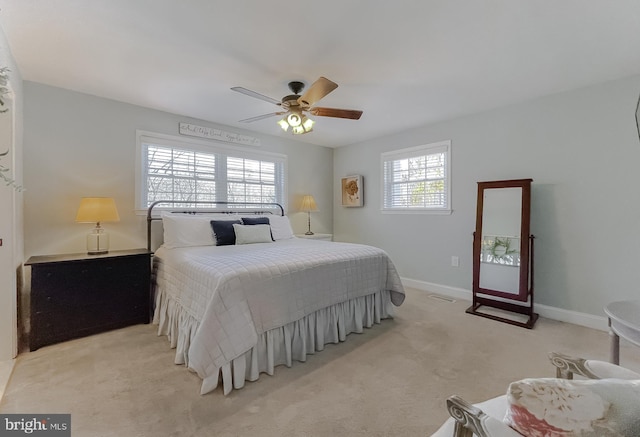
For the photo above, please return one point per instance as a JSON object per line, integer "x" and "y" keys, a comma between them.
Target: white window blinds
{"x": 417, "y": 179}
{"x": 177, "y": 170}
{"x": 250, "y": 180}
{"x": 179, "y": 174}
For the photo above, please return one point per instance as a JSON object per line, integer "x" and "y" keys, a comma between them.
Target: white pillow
{"x": 249, "y": 234}
{"x": 280, "y": 227}
{"x": 184, "y": 230}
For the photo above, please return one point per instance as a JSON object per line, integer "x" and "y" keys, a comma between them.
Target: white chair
{"x": 486, "y": 419}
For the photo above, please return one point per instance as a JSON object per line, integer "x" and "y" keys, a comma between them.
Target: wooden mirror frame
{"x": 483, "y": 296}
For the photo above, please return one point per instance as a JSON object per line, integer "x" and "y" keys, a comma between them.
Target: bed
{"x": 235, "y": 310}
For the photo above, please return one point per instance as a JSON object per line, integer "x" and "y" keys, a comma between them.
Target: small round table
{"x": 624, "y": 321}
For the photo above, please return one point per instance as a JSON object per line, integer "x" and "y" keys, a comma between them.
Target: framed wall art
{"x": 352, "y": 191}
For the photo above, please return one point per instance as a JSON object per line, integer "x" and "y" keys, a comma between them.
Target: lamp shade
{"x": 97, "y": 209}
{"x": 308, "y": 204}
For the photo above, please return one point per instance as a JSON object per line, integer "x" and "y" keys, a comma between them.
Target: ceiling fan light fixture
{"x": 294, "y": 119}
{"x": 307, "y": 124}
{"x": 299, "y": 123}
{"x": 283, "y": 124}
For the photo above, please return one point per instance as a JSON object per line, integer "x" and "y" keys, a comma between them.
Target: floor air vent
{"x": 442, "y": 298}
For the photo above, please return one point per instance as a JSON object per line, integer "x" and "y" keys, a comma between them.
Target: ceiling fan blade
{"x": 260, "y": 117}
{"x": 255, "y": 94}
{"x": 316, "y": 91}
{"x": 338, "y": 113}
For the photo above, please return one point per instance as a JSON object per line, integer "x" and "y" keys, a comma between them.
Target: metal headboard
{"x": 194, "y": 210}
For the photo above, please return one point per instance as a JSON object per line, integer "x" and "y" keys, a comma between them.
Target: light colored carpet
{"x": 6, "y": 367}
{"x": 392, "y": 380}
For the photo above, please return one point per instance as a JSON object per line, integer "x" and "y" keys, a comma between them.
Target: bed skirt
{"x": 282, "y": 345}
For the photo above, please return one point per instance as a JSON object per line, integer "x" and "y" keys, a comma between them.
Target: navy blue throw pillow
{"x": 257, "y": 221}
{"x": 223, "y": 231}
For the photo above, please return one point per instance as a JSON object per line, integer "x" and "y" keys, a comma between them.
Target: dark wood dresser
{"x": 77, "y": 295}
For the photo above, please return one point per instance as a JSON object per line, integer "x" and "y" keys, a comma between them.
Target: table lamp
{"x": 308, "y": 205}
{"x": 96, "y": 210}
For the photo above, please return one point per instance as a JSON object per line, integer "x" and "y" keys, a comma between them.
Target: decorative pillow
{"x": 550, "y": 407}
{"x": 255, "y": 221}
{"x": 223, "y": 231}
{"x": 280, "y": 227}
{"x": 249, "y": 234}
{"x": 258, "y": 221}
{"x": 184, "y": 230}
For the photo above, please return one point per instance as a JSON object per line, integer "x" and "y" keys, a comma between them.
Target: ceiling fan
{"x": 295, "y": 106}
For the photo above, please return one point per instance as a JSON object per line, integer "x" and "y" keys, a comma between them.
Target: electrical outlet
{"x": 455, "y": 261}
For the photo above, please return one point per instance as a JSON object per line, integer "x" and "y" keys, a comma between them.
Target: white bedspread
{"x": 236, "y": 293}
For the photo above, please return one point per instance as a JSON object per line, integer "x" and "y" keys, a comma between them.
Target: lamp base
{"x": 97, "y": 242}
{"x": 308, "y": 224}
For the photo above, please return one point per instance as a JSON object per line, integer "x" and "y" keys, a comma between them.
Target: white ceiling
{"x": 404, "y": 63}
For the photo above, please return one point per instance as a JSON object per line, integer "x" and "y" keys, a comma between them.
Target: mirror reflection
{"x": 500, "y": 242}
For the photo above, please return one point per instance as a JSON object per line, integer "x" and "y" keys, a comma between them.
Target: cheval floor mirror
{"x": 503, "y": 253}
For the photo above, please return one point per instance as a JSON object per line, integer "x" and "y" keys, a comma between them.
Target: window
{"x": 417, "y": 179}
{"x": 173, "y": 168}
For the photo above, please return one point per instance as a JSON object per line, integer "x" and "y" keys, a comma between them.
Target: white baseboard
{"x": 549, "y": 312}
{"x": 445, "y": 290}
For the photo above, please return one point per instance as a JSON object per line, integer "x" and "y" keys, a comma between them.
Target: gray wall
{"x": 79, "y": 145}
{"x": 581, "y": 149}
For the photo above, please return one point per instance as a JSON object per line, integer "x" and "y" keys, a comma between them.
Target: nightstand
{"x": 325, "y": 237}
{"x": 77, "y": 295}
